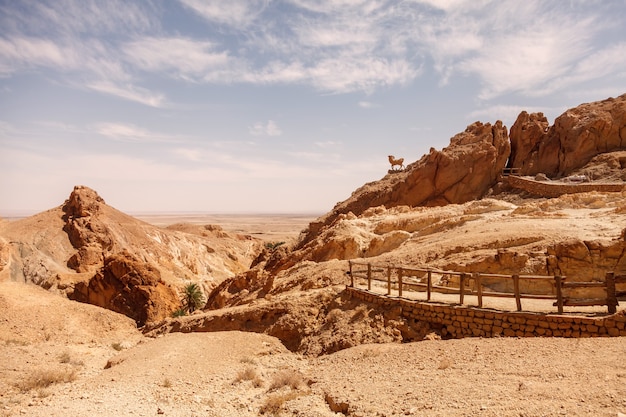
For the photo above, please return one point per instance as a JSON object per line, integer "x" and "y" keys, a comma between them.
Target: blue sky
{"x": 276, "y": 106}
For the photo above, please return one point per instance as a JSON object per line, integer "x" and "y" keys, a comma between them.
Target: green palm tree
{"x": 192, "y": 298}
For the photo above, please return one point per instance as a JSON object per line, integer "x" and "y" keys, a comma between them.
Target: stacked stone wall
{"x": 456, "y": 321}
{"x": 556, "y": 189}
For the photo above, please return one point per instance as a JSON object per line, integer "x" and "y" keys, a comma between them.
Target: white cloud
{"x": 367, "y": 105}
{"x": 82, "y": 17}
{"x": 184, "y": 57}
{"x": 265, "y": 129}
{"x": 328, "y": 144}
{"x": 129, "y": 92}
{"x": 22, "y": 53}
{"x": 130, "y": 133}
{"x": 231, "y": 12}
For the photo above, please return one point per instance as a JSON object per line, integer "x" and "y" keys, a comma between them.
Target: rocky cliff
{"x": 577, "y": 136}
{"x": 470, "y": 167}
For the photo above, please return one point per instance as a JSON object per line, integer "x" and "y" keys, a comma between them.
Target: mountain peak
{"x": 83, "y": 202}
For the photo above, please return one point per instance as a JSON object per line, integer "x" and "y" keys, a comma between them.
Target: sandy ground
{"x": 61, "y": 358}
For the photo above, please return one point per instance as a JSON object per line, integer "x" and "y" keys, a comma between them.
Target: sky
{"x": 274, "y": 106}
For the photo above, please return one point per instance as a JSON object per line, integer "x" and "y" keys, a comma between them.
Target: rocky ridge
{"x": 94, "y": 253}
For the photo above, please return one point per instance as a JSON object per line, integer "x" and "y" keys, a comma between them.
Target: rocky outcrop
{"x": 576, "y": 137}
{"x": 78, "y": 247}
{"x": 130, "y": 287}
{"x": 87, "y": 233}
{"x": 586, "y": 260}
{"x": 463, "y": 171}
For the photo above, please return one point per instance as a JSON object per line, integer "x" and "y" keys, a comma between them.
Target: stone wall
{"x": 456, "y": 321}
{"x": 555, "y": 189}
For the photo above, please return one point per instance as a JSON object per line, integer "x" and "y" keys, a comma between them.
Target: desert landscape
{"x": 94, "y": 319}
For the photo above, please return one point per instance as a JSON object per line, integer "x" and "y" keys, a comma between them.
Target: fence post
{"x": 479, "y": 288}
{"x": 559, "y": 293}
{"x": 388, "y": 280}
{"x": 518, "y": 296}
{"x": 399, "y": 282}
{"x": 461, "y": 287}
{"x": 369, "y": 276}
{"x": 430, "y": 285}
{"x": 350, "y": 272}
{"x": 611, "y": 298}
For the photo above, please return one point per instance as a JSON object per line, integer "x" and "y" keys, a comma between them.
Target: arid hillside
{"x": 90, "y": 251}
{"x": 281, "y": 335}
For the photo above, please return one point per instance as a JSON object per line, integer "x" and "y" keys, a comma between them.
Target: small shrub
{"x": 274, "y": 404}
{"x": 272, "y": 246}
{"x": 249, "y": 374}
{"x": 179, "y": 313}
{"x": 65, "y": 358}
{"x": 44, "y": 379}
{"x": 286, "y": 378}
{"x": 16, "y": 342}
{"x": 166, "y": 383}
{"x": 248, "y": 360}
{"x": 117, "y": 346}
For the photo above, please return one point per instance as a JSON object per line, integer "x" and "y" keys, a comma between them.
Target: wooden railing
{"x": 472, "y": 284}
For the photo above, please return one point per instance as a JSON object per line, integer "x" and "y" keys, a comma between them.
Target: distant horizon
{"x": 21, "y": 214}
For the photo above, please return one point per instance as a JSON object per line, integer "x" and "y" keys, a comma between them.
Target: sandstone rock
{"x": 586, "y": 260}
{"x": 83, "y": 202}
{"x": 130, "y": 287}
{"x": 576, "y": 137}
{"x": 527, "y": 131}
{"x": 463, "y": 171}
{"x": 83, "y": 225}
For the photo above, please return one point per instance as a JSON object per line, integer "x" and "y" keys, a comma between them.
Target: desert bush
{"x": 117, "y": 346}
{"x": 249, "y": 374}
{"x": 16, "y": 342}
{"x": 272, "y": 246}
{"x": 274, "y": 404}
{"x": 286, "y": 378}
{"x": 65, "y": 357}
{"x": 166, "y": 383}
{"x": 44, "y": 379}
{"x": 179, "y": 313}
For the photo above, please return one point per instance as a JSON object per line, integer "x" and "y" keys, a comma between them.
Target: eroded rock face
{"x": 86, "y": 232}
{"x": 587, "y": 260}
{"x": 463, "y": 171}
{"x": 576, "y": 137}
{"x": 130, "y": 287}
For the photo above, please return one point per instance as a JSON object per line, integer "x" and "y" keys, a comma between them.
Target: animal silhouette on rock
{"x": 396, "y": 162}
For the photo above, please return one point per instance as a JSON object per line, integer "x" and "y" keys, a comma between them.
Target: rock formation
{"x": 130, "y": 287}
{"x": 463, "y": 171}
{"x": 576, "y": 137}
{"x": 97, "y": 254}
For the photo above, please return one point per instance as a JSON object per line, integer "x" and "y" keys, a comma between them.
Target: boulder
{"x": 131, "y": 287}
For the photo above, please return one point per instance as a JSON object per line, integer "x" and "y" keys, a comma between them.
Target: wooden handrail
{"x": 404, "y": 273}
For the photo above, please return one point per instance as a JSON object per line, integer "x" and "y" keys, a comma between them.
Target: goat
{"x": 396, "y": 162}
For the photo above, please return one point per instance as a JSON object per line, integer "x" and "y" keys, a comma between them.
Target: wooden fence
{"x": 472, "y": 284}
